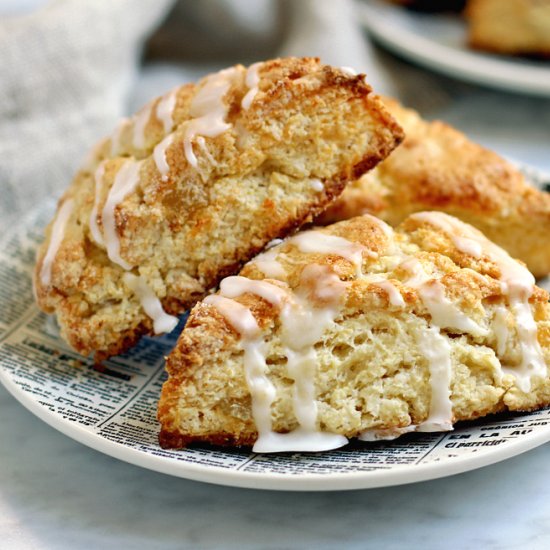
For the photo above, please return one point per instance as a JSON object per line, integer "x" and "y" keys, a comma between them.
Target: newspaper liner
{"x": 117, "y": 403}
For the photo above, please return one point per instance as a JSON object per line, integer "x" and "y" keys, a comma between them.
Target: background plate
{"x": 113, "y": 410}
{"x": 438, "y": 41}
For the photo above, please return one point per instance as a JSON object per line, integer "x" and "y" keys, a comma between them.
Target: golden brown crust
{"x": 438, "y": 167}
{"x": 371, "y": 369}
{"x": 183, "y": 233}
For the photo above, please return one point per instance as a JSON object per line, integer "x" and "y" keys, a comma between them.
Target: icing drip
{"x": 267, "y": 263}
{"x": 317, "y": 242}
{"x": 159, "y": 155}
{"x": 302, "y": 325}
{"x": 317, "y": 185}
{"x": 125, "y": 182}
{"x": 208, "y": 111}
{"x": 232, "y": 287}
{"x": 140, "y": 122}
{"x": 350, "y": 71}
{"x": 382, "y": 225}
{"x": 237, "y": 315}
{"x": 437, "y": 351}
{"x": 165, "y": 110}
{"x": 466, "y": 239}
{"x": 201, "y": 142}
{"x": 162, "y": 322}
{"x": 516, "y": 282}
{"x": 394, "y": 296}
{"x": 56, "y": 237}
{"x": 261, "y": 389}
{"x": 252, "y": 80}
{"x": 532, "y": 359}
{"x": 94, "y": 227}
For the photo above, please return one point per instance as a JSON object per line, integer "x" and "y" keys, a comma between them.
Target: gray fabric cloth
{"x": 66, "y": 71}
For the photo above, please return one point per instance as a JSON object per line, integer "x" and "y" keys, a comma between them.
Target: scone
{"x": 195, "y": 185}
{"x": 518, "y": 27}
{"x": 359, "y": 331}
{"x": 439, "y": 168}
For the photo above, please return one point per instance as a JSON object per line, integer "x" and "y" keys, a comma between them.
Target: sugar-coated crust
{"x": 252, "y": 184}
{"x": 517, "y": 27}
{"x": 439, "y": 168}
{"x": 371, "y": 372}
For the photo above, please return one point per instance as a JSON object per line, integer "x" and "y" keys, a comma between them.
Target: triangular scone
{"x": 439, "y": 168}
{"x": 195, "y": 185}
{"x": 357, "y": 330}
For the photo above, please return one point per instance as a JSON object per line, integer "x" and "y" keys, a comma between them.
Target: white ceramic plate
{"x": 438, "y": 41}
{"x": 113, "y": 411}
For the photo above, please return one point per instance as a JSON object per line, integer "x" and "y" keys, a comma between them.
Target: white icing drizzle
{"x": 94, "y": 227}
{"x": 125, "y": 182}
{"x": 232, "y": 287}
{"x": 394, "y": 296}
{"x": 116, "y": 136}
{"x": 382, "y": 225}
{"x": 252, "y": 80}
{"x": 56, "y": 238}
{"x": 267, "y": 263}
{"x": 437, "y": 351}
{"x": 237, "y": 315}
{"x": 350, "y": 71}
{"x": 532, "y": 358}
{"x": 201, "y": 142}
{"x": 159, "y": 156}
{"x": 432, "y": 293}
{"x": 393, "y": 293}
{"x": 165, "y": 110}
{"x": 516, "y": 282}
{"x": 465, "y": 238}
{"x": 302, "y": 325}
{"x": 317, "y": 242}
{"x": 261, "y": 388}
{"x": 162, "y": 322}
{"x": 208, "y": 110}
{"x": 316, "y": 185}
{"x": 140, "y": 122}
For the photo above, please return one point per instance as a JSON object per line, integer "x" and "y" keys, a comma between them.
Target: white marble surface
{"x": 57, "y": 494}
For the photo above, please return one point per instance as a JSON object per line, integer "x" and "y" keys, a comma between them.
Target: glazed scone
{"x": 518, "y": 27}
{"x": 359, "y": 331}
{"x": 439, "y": 168}
{"x": 195, "y": 185}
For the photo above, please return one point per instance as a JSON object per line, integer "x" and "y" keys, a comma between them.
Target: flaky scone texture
{"x": 412, "y": 292}
{"x": 197, "y": 183}
{"x": 518, "y": 27}
{"x": 439, "y": 168}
